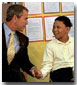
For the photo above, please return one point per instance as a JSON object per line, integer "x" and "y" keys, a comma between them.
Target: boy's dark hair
{"x": 65, "y": 20}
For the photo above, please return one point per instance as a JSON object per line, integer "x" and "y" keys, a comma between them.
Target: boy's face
{"x": 60, "y": 30}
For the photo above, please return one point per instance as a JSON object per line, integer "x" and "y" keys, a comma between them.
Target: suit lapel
{"x": 21, "y": 40}
{"x": 4, "y": 49}
{"x": 3, "y": 40}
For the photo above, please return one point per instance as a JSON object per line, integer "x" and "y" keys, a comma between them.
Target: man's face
{"x": 60, "y": 30}
{"x": 22, "y": 21}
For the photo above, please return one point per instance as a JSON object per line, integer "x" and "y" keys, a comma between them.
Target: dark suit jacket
{"x": 11, "y": 73}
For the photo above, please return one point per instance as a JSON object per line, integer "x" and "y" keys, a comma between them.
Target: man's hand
{"x": 36, "y": 72}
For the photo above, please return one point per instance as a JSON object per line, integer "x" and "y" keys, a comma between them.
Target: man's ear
{"x": 14, "y": 18}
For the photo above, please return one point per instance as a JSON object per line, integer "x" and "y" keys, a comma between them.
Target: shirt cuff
{"x": 33, "y": 67}
{"x": 44, "y": 74}
{"x": 73, "y": 69}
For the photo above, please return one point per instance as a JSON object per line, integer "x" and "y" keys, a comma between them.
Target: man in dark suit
{"x": 16, "y": 20}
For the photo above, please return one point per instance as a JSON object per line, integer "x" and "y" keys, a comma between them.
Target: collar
{"x": 59, "y": 42}
{"x": 7, "y": 30}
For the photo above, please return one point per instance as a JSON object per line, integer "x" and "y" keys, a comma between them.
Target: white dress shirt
{"x": 58, "y": 55}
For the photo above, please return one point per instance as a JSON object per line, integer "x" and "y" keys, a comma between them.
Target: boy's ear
{"x": 68, "y": 29}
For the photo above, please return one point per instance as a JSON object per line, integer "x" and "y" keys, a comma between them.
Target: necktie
{"x": 11, "y": 48}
